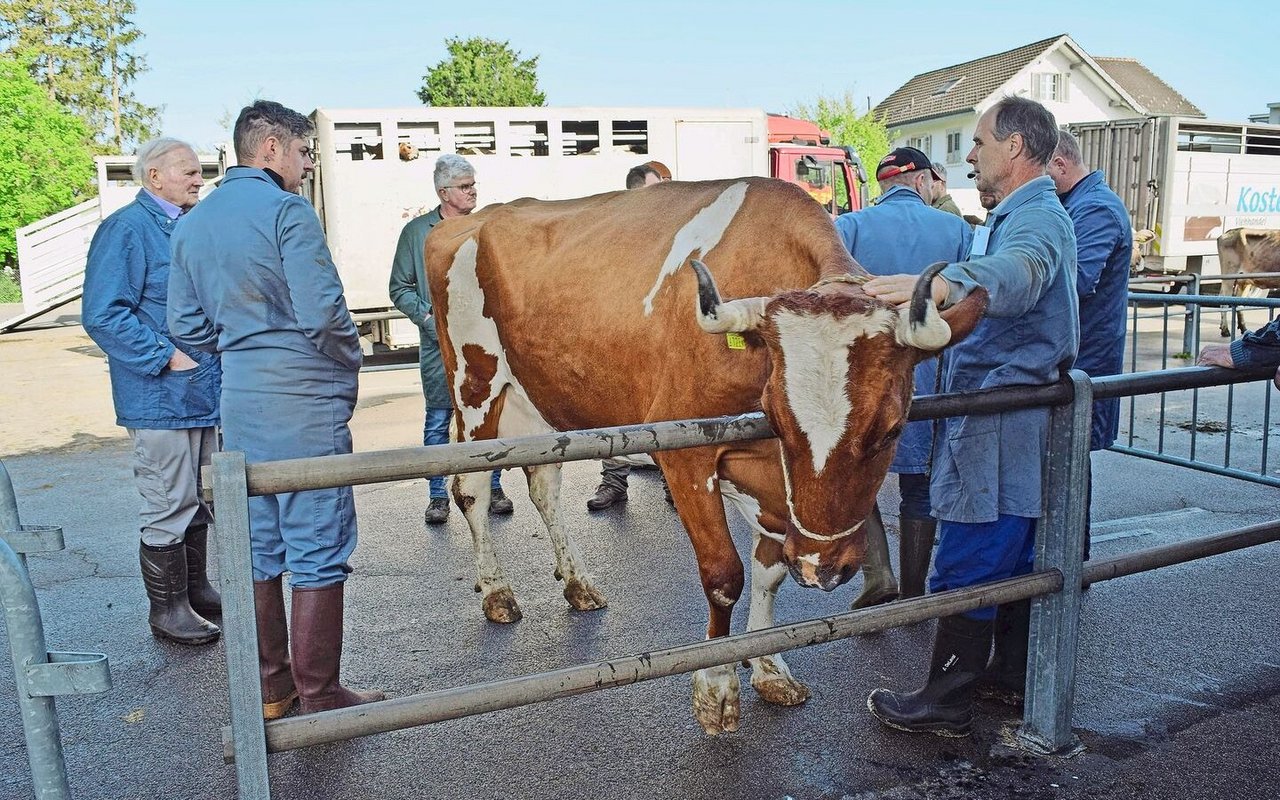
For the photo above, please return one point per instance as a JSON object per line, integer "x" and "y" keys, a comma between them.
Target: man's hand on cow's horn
{"x": 1215, "y": 355}
{"x": 897, "y": 289}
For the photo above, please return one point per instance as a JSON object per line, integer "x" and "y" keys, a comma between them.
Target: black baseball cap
{"x": 904, "y": 159}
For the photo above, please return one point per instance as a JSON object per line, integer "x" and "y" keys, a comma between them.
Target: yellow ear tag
{"x": 735, "y": 341}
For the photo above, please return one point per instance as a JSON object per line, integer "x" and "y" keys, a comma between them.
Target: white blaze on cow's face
{"x": 815, "y": 352}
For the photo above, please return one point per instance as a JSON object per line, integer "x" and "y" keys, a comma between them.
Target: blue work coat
{"x": 901, "y": 235}
{"x": 253, "y": 279}
{"x": 408, "y": 290}
{"x": 989, "y": 465}
{"x": 126, "y": 288}
{"x": 1104, "y": 246}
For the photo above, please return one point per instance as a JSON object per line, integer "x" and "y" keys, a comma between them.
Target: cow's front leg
{"x": 471, "y": 492}
{"x": 770, "y": 675}
{"x": 716, "y": 703}
{"x": 579, "y": 589}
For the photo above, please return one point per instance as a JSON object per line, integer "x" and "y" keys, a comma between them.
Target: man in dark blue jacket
{"x": 875, "y": 237}
{"x": 165, "y": 397}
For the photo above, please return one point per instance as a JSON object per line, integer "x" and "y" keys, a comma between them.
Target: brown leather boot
{"x": 164, "y": 574}
{"x": 274, "y": 671}
{"x": 317, "y": 651}
{"x": 205, "y": 599}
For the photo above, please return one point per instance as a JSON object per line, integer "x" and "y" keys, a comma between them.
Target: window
{"x": 948, "y": 86}
{"x": 474, "y": 138}
{"x": 922, "y": 143}
{"x": 814, "y": 176}
{"x": 954, "y": 147}
{"x": 631, "y": 136}
{"x": 579, "y": 138}
{"x": 1050, "y": 86}
{"x": 529, "y": 138}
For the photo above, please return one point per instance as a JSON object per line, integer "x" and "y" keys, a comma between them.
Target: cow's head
{"x": 837, "y": 396}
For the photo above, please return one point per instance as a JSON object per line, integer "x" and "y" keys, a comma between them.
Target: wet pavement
{"x": 1178, "y": 688}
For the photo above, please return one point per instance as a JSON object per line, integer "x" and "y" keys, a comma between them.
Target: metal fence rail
{"x": 1055, "y": 584}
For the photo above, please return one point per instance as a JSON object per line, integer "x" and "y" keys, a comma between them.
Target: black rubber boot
{"x": 945, "y": 705}
{"x": 878, "y": 584}
{"x": 915, "y": 549}
{"x": 164, "y": 574}
{"x": 205, "y": 599}
{"x": 1005, "y": 679}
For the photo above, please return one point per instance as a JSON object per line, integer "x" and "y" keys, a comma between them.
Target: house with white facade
{"x": 938, "y": 111}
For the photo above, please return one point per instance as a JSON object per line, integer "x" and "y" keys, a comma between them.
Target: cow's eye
{"x": 890, "y": 437}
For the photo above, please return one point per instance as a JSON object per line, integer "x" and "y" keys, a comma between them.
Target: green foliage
{"x": 10, "y": 291}
{"x": 482, "y": 72}
{"x": 46, "y": 160}
{"x": 866, "y": 134}
{"x": 82, "y": 53}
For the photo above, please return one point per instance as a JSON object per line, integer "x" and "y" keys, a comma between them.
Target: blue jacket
{"x": 126, "y": 286}
{"x": 1261, "y": 348}
{"x": 989, "y": 465}
{"x": 1104, "y": 246}
{"x": 408, "y": 290}
{"x": 901, "y": 235}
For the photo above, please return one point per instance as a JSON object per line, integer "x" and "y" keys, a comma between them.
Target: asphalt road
{"x": 1178, "y": 690}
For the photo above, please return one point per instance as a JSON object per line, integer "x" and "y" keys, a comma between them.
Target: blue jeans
{"x": 436, "y": 431}
{"x": 973, "y": 553}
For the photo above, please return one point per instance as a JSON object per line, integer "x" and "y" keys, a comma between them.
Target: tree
{"x": 46, "y": 161}
{"x": 866, "y": 134}
{"x": 482, "y": 72}
{"x": 82, "y": 53}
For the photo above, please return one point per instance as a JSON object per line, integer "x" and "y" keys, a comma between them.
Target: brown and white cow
{"x": 580, "y": 313}
{"x": 1247, "y": 250}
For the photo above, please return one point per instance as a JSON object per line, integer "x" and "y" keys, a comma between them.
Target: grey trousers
{"x": 614, "y": 472}
{"x": 166, "y": 468}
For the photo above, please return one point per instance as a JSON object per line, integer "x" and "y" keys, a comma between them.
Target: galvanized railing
{"x": 1055, "y": 584}
{"x": 1195, "y": 429}
{"x": 40, "y": 675}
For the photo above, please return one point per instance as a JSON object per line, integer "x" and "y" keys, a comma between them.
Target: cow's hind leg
{"x": 471, "y": 492}
{"x": 579, "y": 589}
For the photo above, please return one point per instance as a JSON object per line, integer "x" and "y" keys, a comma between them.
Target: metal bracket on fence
{"x": 39, "y": 675}
{"x": 1051, "y": 668}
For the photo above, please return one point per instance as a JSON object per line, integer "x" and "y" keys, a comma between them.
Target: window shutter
{"x": 1036, "y": 83}
{"x": 1066, "y": 86}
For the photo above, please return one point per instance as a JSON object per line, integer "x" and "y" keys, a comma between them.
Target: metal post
{"x": 1051, "y": 663}
{"x": 1191, "y": 323}
{"x": 239, "y": 624}
{"x": 39, "y": 675}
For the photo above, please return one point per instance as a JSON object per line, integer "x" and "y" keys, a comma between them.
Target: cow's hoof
{"x": 583, "y": 596}
{"x": 875, "y": 596}
{"x": 501, "y": 606}
{"x": 715, "y": 699}
{"x": 773, "y": 681}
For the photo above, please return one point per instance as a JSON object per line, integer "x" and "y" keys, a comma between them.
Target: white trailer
{"x": 374, "y": 171}
{"x": 1188, "y": 180}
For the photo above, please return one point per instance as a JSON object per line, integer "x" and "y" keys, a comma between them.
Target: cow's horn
{"x": 924, "y": 327}
{"x": 716, "y": 316}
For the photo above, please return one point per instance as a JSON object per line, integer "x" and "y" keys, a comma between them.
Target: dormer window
{"x": 948, "y": 86}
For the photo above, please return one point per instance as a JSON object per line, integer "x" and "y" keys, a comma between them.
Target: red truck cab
{"x": 801, "y": 153}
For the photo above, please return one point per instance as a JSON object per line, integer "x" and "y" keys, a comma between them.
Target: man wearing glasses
{"x": 455, "y": 181}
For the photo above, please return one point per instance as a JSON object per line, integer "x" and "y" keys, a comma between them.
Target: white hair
{"x": 449, "y": 168}
{"x": 150, "y": 153}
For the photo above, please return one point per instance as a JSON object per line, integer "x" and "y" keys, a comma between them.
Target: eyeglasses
{"x": 464, "y": 187}
{"x": 307, "y": 153}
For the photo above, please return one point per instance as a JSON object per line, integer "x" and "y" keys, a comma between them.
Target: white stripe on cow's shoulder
{"x": 816, "y": 372}
{"x": 701, "y": 233}
{"x": 748, "y": 507}
{"x": 468, "y": 324}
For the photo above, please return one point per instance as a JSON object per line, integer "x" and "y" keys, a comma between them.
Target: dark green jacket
{"x": 408, "y": 289}
{"x": 945, "y": 203}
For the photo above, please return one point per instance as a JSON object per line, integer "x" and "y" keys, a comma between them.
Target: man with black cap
{"x": 875, "y": 238}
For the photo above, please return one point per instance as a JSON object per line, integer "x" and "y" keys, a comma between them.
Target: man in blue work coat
{"x": 455, "y": 183}
{"x": 253, "y": 280}
{"x": 901, "y": 234}
{"x": 165, "y": 397}
{"x": 988, "y": 473}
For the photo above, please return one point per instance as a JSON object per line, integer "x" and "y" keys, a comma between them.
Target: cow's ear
{"x": 964, "y": 316}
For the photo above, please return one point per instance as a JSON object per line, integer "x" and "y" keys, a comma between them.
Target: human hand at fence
{"x": 1215, "y": 355}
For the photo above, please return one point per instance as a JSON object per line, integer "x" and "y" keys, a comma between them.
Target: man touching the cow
{"x": 987, "y": 481}
{"x": 455, "y": 185}
{"x": 1104, "y": 247}
{"x": 253, "y": 280}
{"x": 874, "y": 239}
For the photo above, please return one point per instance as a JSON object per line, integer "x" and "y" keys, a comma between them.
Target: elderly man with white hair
{"x": 455, "y": 184}
{"x": 165, "y": 396}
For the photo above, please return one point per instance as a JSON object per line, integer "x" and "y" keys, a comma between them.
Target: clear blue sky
{"x": 208, "y": 59}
